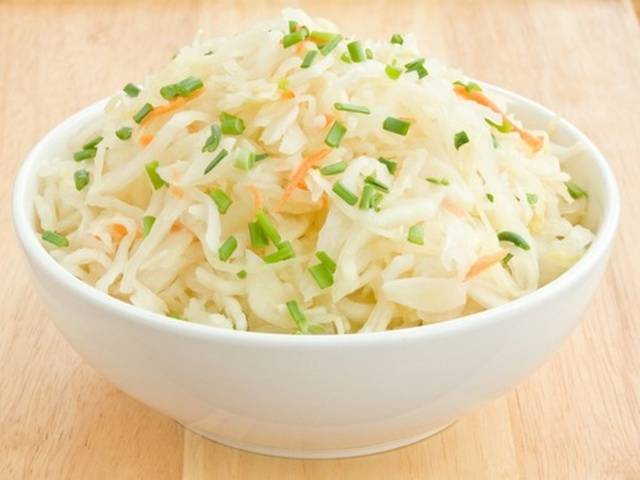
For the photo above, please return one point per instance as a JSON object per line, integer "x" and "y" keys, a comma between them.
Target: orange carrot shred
{"x": 308, "y": 163}
{"x": 328, "y": 118}
{"x": 485, "y": 262}
{"x": 452, "y": 207}
{"x": 287, "y": 95}
{"x": 119, "y": 230}
{"x": 173, "y": 105}
{"x": 257, "y": 197}
{"x": 176, "y": 227}
{"x": 146, "y": 139}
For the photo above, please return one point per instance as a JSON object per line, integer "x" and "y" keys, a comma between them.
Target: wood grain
{"x": 577, "y": 418}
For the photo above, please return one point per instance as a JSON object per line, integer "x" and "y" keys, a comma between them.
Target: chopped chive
{"x": 223, "y": 153}
{"x": 284, "y": 252}
{"x": 93, "y": 143}
{"x": 293, "y": 26}
{"x": 349, "y": 107}
{"x": 390, "y": 164}
{"x": 267, "y": 227}
{"x": 321, "y": 275}
{"x": 369, "y": 53}
{"x": 327, "y": 261}
{"x": 396, "y": 125}
{"x": 506, "y": 259}
{"x": 227, "y": 248}
{"x": 575, "y": 190}
{"x": 85, "y": 154}
{"x": 331, "y": 44}
{"x": 504, "y": 127}
{"x": 335, "y": 135}
{"x": 221, "y": 199}
{"x": 397, "y": 39}
{"x": 356, "y": 52}
{"x": 131, "y": 90}
{"x": 469, "y": 87}
{"x": 124, "y": 133}
{"x": 305, "y": 31}
{"x": 334, "y": 168}
{"x": 532, "y": 198}
{"x": 292, "y": 38}
{"x": 175, "y": 316}
{"x": 213, "y": 140}
{"x": 242, "y": 274}
{"x": 392, "y": 72}
{"x": 230, "y": 124}
{"x": 147, "y": 224}
{"x": 309, "y": 57}
{"x": 55, "y": 238}
{"x": 369, "y": 180}
{"x": 297, "y": 316}
{"x": 81, "y": 179}
{"x": 490, "y": 197}
{"x": 156, "y": 180}
{"x": 416, "y": 234}
{"x": 376, "y": 200}
{"x": 321, "y": 38}
{"x": 459, "y": 139}
{"x": 344, "y": 193}
{"x": 143, "y": 112}
{"x": 283, "y": 84}
{"x": 494, "y": 140}
{"x": 345, "y": 58}
{"x": 418, "y": 67}
{"x": 517, "y": 240}
{"x": 365, "y": 198}
{"x": 169, "y": 92}
{"x": 260, "y": 156}
{"x": 210, "y": 52}
{"x": 243, "y": 159}
{"x": 438, "y": 181}
{"x": 258, "y": 237}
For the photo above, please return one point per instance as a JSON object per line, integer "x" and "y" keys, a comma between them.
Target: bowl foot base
{"x": 320, "y": 454}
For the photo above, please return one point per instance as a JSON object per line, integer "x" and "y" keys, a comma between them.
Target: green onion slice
{"x": 365, "y": 199}
{"x": 575, "y": 190}
{"x": 92, "y": 143}
{"x": 242, "y": 274}
{"x": 334, "y": 168}
{"x": 131, "y": 90}
{"x": 369, "y": 180}
{"x": 85, "y": 154}
{"x": 321, "y": 38}
{"x": 297, "y": 316}
{"x": 268, "y": 228}
{"x": 143, "y": 112}
{"x": 55, "y": 238}
{"x": 81, "y": 179}
{"x": 390, "y": 164}
{"x": 321, "y": 275}
{"x": 469, "y": 87}
{"x": 258, "y": 237}
{"x": 326, "y": 260}
{"x": 348, "y": 107}
{"x": 156, "y": 179}
{"x": 490, "y": 197}
{"x": 416, "y": 234}
{"x": 213, "y": 140}
{"x": 227, "y": 248}
{"x": 293, "y": 26}
{"x": 356, "y": 52}
{"x": 392, "y": 72}
{"x": 506, "y": 259}
{"x": 344, "y": 193}
{"x": 517, "y": 240}
{"x": 124, "y": 133}
{"x": 243, "y": 159}
{"x": 459, "y": 139}
{"x": 504, "y": 127}
{"x": 418, "y": 67}
{"x": 221, "y": 199}
{"x": 147, "y": 224}
{"x": 309, "y": 57}
{"x": 218, "y": 158}
{"x": 396, "y": 125}
{"x": 230, "y": 124}
{"x": 438, "y": 181}
{"x": 284, "y": 252}
{"x": 397, "y": 39}
{"x": 292, "y": 38}
{"x": 532, "y": 198}
{"x": 331, "y": 44}
{"x": 335, "y": 135}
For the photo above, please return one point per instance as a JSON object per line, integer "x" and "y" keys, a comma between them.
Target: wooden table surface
{"x": 576, "y": 418}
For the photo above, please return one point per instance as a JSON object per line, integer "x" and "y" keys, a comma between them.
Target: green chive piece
{"x": 369, "y": 53}
{"x": 390, "y": 164}
{"x": 267, "y": 227}
{"x": 494, "y": 140}
{"x": 175, "y": 316}
{"x": 260, "y": 156}
{"x": 243, "y": 159}
{"x": 242, "y": 274}
{"x": 344, "y": 193}
{"x": 418, "y": 67}
{"x": 147, "y": 224}
{"x": 230, "y": 124}
{"x": 292, "y": 38}
{"x": 490, "y": 197}
{"x": 327, "y": 261}
{"x": 575, "y": 190}
{"x": 517, "y": 240}
{"x": 397, "y": 39}
{"x": 227, "y": 248}
{"x": 257, "y": 235}
{"x": 131, "y": 90}
{"x": 55, "y": 238}
{"x": 169, "y": 92}
{"x": 369, "y": 180}
{"x": 469, "y": 87}
{"x": 349, "y": 107}
{"x": 305, "y": 31}
{"x": 365, "y": 199}
{"x": 331, "y": 44}
{"x": 335, "y": 135}
{"x": 210, "y": 52}
{"x": 297, "y": 316}
{"x": 85, "y": 154}
{"x": 283, "y": 84}
{"x": 284, "y": 252}
{"x": 293, "y": 26}
{"x": 156, "y": 180}
{"x": 396, "y": 125}
{"x": 506, "y": 259}
{"x": 223, "y": 153}
{"x": 416, "y": 234}
{"x": 460, "y": 139}
{"x": 124, "y": 133}
{"x": 504, "y": 127}
{"x": 93, "y": 143}
{"x": 213, "y": 140}
{"x": 438, "y": 181}
{"x": 532, "y": 198}
{"x": 321, "y": 38}
{"x": 309, "y": 57}
{"x": 346, "y": 58}
{"x": 334, "y": 168}
{"x": 143, "y": 112}
{"x": 356, "y": 52}
{"x": 376, "y": 201}
{"x": 221, "y": 199}
{"x": 392, "y": 72}
{"x": 321, "y": 275}
{"x": 81, "y": 179}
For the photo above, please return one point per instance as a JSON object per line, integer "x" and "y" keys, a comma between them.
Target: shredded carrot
{"x": 485, "y": 262}
{"x": 452, "y": 207}
{"x": 176, "y": 227}
{"x": 118, "y": 231}
{"x": 300, "y": 48}
{"x": 173, "y": 105}
{"x": 534, "y": 142}
{"x": 287, "y": 95}
{"x": 299, "y": 175}
{"x": 328, "y": 118}
{"x": 196, "y": 126}
{"x": 146, "y": 139}
{"x": 257, "y": 197}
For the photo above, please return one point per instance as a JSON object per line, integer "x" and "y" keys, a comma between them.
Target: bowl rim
{"x": 597, "y": 251}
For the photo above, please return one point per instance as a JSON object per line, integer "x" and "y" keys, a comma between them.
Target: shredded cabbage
{"x": 495, "y": 182}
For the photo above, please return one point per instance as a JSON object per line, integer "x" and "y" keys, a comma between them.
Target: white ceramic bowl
{"x": 321, "y": 396}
